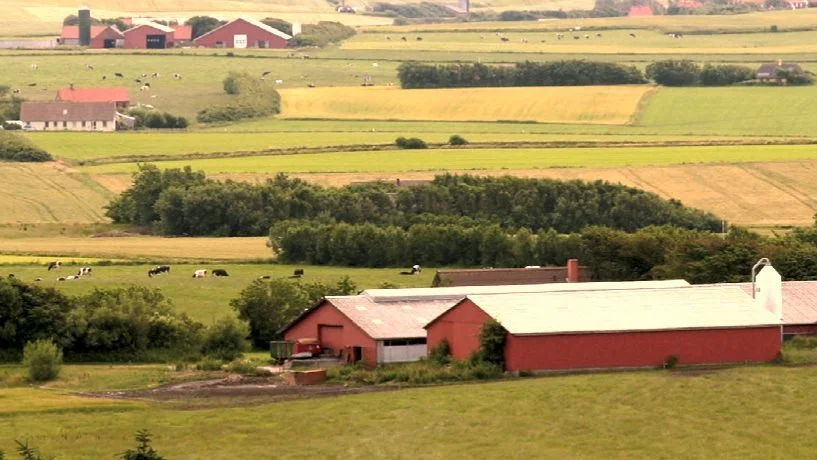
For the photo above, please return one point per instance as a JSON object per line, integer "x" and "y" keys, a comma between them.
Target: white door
{"x": 239, "y": 41}
{"x": 401, "y": 353}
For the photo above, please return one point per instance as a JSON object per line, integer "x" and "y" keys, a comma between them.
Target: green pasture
{"x": 206, "y": 299}
{"x": 478, "y": 159}
{"x": 748, "y": 412}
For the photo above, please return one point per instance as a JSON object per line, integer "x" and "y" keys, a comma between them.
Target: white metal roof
{"x": 155, "y": 25}
{"x": 255, "y": 23}
{"x": 392, "y": 320}
{"x": 625, "y": 310}
{"x": 459, "y": 292}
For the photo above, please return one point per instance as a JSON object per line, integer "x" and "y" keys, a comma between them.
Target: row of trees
{"x": 556, "y": 73}
{"x": 20, "y": 149}
{"x": 179, "y": 202}
{"x": 157, "y": 120}
{"x": 688, "y": 73}
{"x": 612, "y": 255}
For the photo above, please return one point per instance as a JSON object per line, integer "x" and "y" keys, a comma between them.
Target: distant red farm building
{"x": 150, "y": 36}
{"x": 642, "y": 10}
{"x": 101, "y": 37}
{"x": 243, "y": 33}
{"x": 118, "y": 95}
{"x": 615, "y": 329}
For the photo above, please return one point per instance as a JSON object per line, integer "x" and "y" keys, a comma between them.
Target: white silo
{"x": 768, "y": 289}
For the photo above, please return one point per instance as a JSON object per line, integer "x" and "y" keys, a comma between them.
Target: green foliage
{"x": 419, "y": 373}
{"x": 209, "y": 364}
{"x": 322, "y": 34}
{"x": 203, "y": 24}
{"x": 157, "y": 120}
{"x": 556, "y": 73}
{"x": 252, "y": 98}
{"x": 411, "y": 10}
{"x": 492, "y": 343}
{"x": 773, "y": 28}
{"x": 278, "y": 24}
{"x": 242, "y": 367}
{"x": 20, "y": 149}
{"x": 144, "y": 450}
{"x": 27, "y": 452}
{"x": 410, "y": 143}
{"x": 456, "y": 139}
{"x": 269, "y": 305}
{"x": 9, "y": 106}
{"x": 30, "y": 313}
{"x": 671, "y": 362}
{"x": 441, "y": 353}
{"x": 725, "y": 75}
{"x": 794, "y": 78}
{"x": 674, "y": 73}
{"x": 226, "y": 339}
{"x": 43, "y": 359}
{"x": 73, "y": 20}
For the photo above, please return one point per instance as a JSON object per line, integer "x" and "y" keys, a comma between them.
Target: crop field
{"x": 601, "y": 104}
{"x": 591, "y": 41}
{"x": 715, "y": 414}
{"x": 207, "y": 299}
{"x": 35, "y": 193}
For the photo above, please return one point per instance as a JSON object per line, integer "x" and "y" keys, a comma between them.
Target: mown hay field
{"x": 598, "y": 104}
{"x": 715, "y": 414}
{"x": 630, "y": 41}
{"x": 206, "y": 299}
{"x": 36, "y": 193}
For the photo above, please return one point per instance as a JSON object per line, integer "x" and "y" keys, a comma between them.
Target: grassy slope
{"x": 752, "y": 412}
{"x": 207, "y": 299}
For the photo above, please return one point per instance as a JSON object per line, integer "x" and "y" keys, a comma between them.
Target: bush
{"x": 411, "y": 143}
{"x": 492, "y": 343}
{"x": 210, "y": 364}
{"x": 11, "y": 126}
{"x": 157, "y": 120}
{"x": 671, "y": 362}
{"x": 242, "y": 367}
{"x": 253, "y": 98}
{"x": 724, "y": 75}
{"x": 321, "y": 34}
{"x": 417, "y": 373}
{"x": 43, "y": 360}
{"x": 773, "y": 28}
{"x": 674, "y": 73}
{"x": 456, "y": 139}
{"x": 143, "y": 451}
{"x": 441, "y": 354}
{"x": 226, "y": 339}
{"x": 16, "y": 148}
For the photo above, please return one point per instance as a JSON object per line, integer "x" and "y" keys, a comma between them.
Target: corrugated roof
{"x": 183, "y": 32}
{"x": 625, "y": 310}
{"x": 115, "y": 94}
{"x": 391, "y": 320}
{"x": 155, "y": 25}
{"x": 250, "y": 21}
{"x": 443, "y": 293}
{"x": 67, "y": 111}
{"x": 505, "y": 276}
{"x": 799, "y": 301}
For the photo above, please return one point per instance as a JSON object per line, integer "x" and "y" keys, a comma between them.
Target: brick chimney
{"x": 573, "y": 271}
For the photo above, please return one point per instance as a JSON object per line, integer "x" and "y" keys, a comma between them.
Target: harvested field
{"x": 596, "y": 104}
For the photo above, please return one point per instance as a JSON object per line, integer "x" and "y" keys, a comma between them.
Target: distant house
{"x": 68, "y": 116}
{"x": 768, "y": 72}
{"x": 150, "y": 36}
{"x": 512, "y": 276}
{"x": 688, "y": 4}
{"x": 117, "y": 95}
{"x": 798, "y": 4}
{"x": 101, "y": 37}
{"x": 640, "y": 10}
{"x": 183, "y": 35}
{"x": 243, "y": 33}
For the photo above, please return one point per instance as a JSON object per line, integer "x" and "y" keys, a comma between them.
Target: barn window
{"x": 219, "y": 44}
{"x": 402, "y": 342}
{"x": 262, "y": 44}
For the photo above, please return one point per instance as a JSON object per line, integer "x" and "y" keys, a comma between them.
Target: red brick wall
{"x": 460, "y": 326}
{"x": 328, "y": 315}
{"x": 641, "y": 349}
{"x": 240, "y": 27}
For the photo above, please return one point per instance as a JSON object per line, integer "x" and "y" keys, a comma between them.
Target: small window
{"x": 84, "y": 123}
{"x": 219, "y": 44}
{"x": 64, "y": 124}
{"x": 46, "y": 124}
{"x": 404, "y": 342}
{"x": 94, "y": 125}
{"x": 104, "y": 124}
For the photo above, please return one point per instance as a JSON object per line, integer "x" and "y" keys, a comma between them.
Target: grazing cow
{"x": 104, "y": 77}
{"x": 404, "y": 39}
{"x": 71, "y": 278}
{"x": 415, "y": 270}
{"x": 54, "y": 265}
{"x": 89, "y": 67}
{"x": 16, "y": 91}
{"x": 60, "y": 279}
{"x": 155, "y": 75}
{"x": 177, "y": 76}
{"x": 598, "y": 35}
{"x": 632, "y": 35}
{"x": 199, "y": 273}
{"x": 32, "y": 84}
{"x": 84, "y": 271}
{"x": 298, "y": 271}
{"x": 311, "y": 85}
{"x": 220, "y": 272}
{"x": 144, "y": 88}
{"x": 144, "y": 75}
{"x": 159, "y": 269}
{"x": 138, "y": 81}
{"x": 118, "y": 75}
{"x": 34, "y": 66}
{"x": 266, "y": 73}
{"x": 419, "y": 39}
{"x": 388, "y": 38}
{"x": 264, "y": 277}
{"x": 11, "y": 276}
{"x": 38, "y": 279}
{"x": 279, "y": 82}
{"x": 505, "y": 39}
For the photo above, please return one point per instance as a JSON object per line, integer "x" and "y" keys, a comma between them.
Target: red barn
{"x": 615, "y": 329}
{"x": 643, "y": 10}
{"x": 149, "y": 36}
{"x": 101, "y": 37}
{"x": 243, "y": 33}
{"x": 119, "y": 95}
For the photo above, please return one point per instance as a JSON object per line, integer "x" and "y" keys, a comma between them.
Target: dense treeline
{"x": 180, "y": 202}
{"x": 322, "y": 34}
{"x": 612, "y": 255}
{"x": 556, "y": 73}
{"x": 687, "y": 73}
{"x": 157, "y": 120}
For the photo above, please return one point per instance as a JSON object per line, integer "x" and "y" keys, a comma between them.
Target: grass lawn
{"x": 207, "y": 299}
{"x": 478, "y": 159}
{"x": 751, "y": 412}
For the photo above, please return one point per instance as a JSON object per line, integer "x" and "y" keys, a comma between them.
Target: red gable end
{"x": 118, "y": 95}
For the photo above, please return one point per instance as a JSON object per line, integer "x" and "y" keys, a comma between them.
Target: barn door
{"x": 239, "y": 41}
{"x": 331, "y": 337}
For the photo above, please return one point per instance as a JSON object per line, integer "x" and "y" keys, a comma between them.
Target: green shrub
{"x": 226, "y": 339}
{"x": 456, "y": 139}
{"x": 773, "y": 28}
{"x": 492, "y": 343}
{"x": 417, "y": 373}
{"x": 410, "y": 143}
{"x": 143, "y": 451}
{"x": 16, "y": 148}
{"x": 243, "y": 367}
{"x": 321, "y": 34}
{"x": 802, "y": 342}
{"x": 440, "y": 354}
{"x": 43, "y": 360}
{"x": 674, "y": 72}
{"x": 671, "y": 362}
{"x": 210, "y": 364}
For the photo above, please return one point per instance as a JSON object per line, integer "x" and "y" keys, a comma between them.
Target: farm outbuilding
{"x": 101, "y": 37}
{"x": 571, "y": 273}
{"x": 386, "y": 325}
{"x": 150, "y": 36}
{"x": 68, "y": 116}
{"x": 243, "y": 33}
{"x": 615, "y": 329}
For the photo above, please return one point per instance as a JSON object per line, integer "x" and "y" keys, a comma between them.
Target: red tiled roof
{"x": 67, "y": 111}
{"x": 72, "y": 32}
{"x": 644, "y": 10}
{"x": 93, "y": 94}
{"x": 183, "y": 33}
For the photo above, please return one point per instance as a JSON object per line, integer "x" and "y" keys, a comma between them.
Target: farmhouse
{"x": 609, "y": 329}
{"x": 117, "y": 95}
{"x": 150, "y": 35}
{"x": 243, "y": 33}
{"x": 768, "y": 72}
{"x": 386, "y": 325}
{"x": 572, "y": 273}
{"x": 101, "y": 37}
{"x": 68, "y": 116}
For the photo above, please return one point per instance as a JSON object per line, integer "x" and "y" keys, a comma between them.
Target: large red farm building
{"x": 150, "y": 36}
{"x": 615, "y": 329}
{"x": 243, "y": 33}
